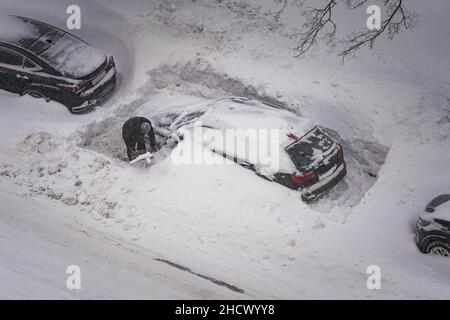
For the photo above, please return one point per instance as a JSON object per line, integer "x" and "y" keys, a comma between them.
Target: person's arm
{"x": 152, "y": 140}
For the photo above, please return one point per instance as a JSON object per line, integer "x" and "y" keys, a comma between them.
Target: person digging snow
{"x": 137, "y": 132}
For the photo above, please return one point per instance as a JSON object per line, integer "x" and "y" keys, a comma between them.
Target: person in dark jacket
{"x": 137, "y": 132}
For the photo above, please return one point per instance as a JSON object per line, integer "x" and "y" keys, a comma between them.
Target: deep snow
{"x": 390, "y": 106}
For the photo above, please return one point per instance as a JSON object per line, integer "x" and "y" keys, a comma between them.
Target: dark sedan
{"x": 45, "y": 62}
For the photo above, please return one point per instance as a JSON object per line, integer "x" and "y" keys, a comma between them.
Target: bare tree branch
{"x": 320, "y": 24}
{"x": 397, "y": 19}
{"x": 351, "y": 4}
{"x": 278, "y": 14}
{"x": 316, "y": 21}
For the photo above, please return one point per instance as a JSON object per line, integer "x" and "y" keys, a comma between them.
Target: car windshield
{"x": 436, "y": 202}
{"x": 310, "y": 148}
{"x": 186, "y": 118}
{"x": 21, "y": 31}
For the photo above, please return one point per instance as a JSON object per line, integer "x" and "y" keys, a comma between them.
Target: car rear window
{"x": 186, "y": 118}
{"x": 10, "y": 58}
{"x": 72, "y": 56}
{"x": 310, "y": 148}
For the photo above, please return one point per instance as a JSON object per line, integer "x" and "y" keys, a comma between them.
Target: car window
{"x": 191, "y": 116}
{"x": 10, "y": 57}
{"x": 186, "y": 118}
{"x": 436, "y": 202}
{"x": 30, "y": 65}
{"x": 165, "y": 119}
{"x": 443, "y": 223}
{"x": 309, "y": 148}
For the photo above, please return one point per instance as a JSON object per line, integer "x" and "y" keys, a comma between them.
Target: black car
{"x": 46, "y": 62}
{"x": 433, "y": 227}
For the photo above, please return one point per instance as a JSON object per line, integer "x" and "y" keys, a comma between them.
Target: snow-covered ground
{"x": 67, "y": 196}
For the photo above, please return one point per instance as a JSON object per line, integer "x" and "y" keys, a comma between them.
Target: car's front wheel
{"x": 439, "y": 248}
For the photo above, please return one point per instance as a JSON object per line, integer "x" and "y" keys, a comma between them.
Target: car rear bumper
{"x": 314, "y": 191}
{"x": 97, "y": 94}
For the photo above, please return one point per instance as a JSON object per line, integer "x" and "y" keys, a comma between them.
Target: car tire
{"x": 36, "y": 94}
{"x": 439, "y": 248}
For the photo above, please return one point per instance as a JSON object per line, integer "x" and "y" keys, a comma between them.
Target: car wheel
{"x": 439, "y": 248}
{"x": 36, "y": 94}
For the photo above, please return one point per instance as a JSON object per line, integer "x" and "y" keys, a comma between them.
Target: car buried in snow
{"x": 433, "y": 227}
{"x": 304, "y": 156}
{"x": 43, "y": 61}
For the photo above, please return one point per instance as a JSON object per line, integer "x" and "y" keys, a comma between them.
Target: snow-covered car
{"x": 308, "y": 158}
{"x": 433, "y": 227}
{"x": 46, "y": 62}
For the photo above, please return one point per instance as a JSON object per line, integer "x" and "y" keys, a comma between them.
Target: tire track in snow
{"x": 211, "y": 279}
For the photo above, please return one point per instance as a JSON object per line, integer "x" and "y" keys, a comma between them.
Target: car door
{"x": 30, "y": 75}
{"x": 10, "y": 62}
{"x": 26, "y": 75}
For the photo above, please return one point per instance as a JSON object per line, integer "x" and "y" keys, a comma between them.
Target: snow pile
{"x": 50, "y": 166}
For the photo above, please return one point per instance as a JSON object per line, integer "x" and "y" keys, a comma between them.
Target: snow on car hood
{"x": 73, "y": 57}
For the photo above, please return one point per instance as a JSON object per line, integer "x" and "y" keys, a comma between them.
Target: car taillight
{"x": 340, "y": 152}
{"x": 292, "y": 136}
{"x": 69, "y": 88}
{"x": 301, "y": 178}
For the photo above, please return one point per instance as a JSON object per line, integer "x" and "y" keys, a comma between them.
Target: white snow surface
{"x": 68, "y": 198}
